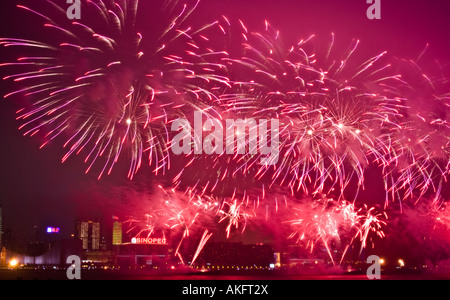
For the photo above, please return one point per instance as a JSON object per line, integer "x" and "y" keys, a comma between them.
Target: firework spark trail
{"x": 234, "y": 214}
{"x": 372, "y": 223}
{"x": 206, "y": 236}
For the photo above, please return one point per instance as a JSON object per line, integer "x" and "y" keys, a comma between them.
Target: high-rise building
{"x": 89, "y": 232}
{"x": 96, "y": 236}
{"x": 82, "y": 233}
{"x": 117, "y": 233}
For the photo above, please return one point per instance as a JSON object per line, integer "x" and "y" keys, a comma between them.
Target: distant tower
{"x": 117, "y": 232}
{"x": 89, "y": 232}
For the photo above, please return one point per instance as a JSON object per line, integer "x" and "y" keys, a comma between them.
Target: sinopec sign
{"x": 149, "y": 241}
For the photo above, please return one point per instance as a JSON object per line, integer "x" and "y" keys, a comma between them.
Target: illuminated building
{"x": 51, "y": 234}
{"x": 89, "y": 232}
{"x": 134, "y": 251}
{"x": 53, "y": 230}
{"x": 117, "y": 233}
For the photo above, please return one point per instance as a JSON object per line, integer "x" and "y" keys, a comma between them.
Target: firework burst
{"x": 106, "y": 91}
{"x": 335, "y": 225}
{"x": 334, "y": 112}
{"x": 175, "y": 214}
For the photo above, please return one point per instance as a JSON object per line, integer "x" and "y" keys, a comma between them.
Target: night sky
{"x": 36, "y": 189}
